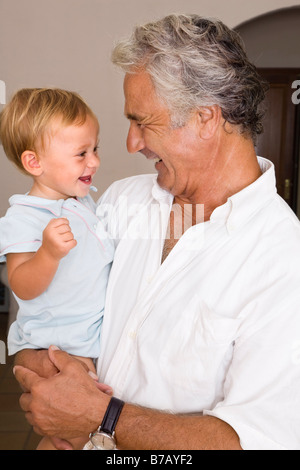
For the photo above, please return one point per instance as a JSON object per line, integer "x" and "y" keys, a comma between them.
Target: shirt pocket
{"x": 198, "y": 350}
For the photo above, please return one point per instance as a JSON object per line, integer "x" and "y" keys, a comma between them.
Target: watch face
{"x": 103, "y": 441}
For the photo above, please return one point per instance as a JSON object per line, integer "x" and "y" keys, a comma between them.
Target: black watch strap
{"x": 111, "y": 416}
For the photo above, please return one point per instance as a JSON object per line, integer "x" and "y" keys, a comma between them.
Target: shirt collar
{"x": 239, "y": 207}
{"x": 159, "y": 194}
{"x": 52, "y": 205}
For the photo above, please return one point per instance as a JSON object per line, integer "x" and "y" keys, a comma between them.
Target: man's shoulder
{"x": 281, "y": 227}
{"x": 284, "y": 215}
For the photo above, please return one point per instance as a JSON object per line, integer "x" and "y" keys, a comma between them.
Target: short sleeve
{"x": 261, "y": 391}
{"x": 18, "y": 234}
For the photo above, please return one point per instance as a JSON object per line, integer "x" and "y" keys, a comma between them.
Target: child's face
{"x": 69, "y": 161}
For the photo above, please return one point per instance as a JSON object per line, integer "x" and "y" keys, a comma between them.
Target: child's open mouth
{"x": 86, "y": 179}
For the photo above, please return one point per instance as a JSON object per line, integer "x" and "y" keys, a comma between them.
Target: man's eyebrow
{"x": 134, "y": 117}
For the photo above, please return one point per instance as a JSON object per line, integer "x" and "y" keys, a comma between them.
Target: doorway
{"x": 280, "y": 139}
{"x": 272, "y": 44}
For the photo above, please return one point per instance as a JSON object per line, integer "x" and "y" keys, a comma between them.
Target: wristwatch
{"x": 104, "y": 437}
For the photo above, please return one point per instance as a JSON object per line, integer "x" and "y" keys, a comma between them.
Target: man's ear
{"x": 209, "y": 118}
{"x": 31, "y": 163}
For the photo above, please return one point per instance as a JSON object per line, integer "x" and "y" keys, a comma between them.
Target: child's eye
{"x": 82, "y": 154}
{"x": 96, "y": 149}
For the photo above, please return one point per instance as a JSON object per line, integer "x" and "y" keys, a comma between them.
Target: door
{"x": 280, "y": 139}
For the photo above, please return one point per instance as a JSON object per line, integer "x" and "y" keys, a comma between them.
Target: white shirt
{"x": 215, "y": 328}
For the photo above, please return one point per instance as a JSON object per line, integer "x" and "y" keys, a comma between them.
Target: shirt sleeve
{"x": 18, "y": 234}
{"x": 261, "y": 391}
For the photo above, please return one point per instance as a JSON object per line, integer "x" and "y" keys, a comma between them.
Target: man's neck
{"x": 233, "y": 168}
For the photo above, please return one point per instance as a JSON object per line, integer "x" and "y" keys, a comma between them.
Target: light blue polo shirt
{"x": 69, "y": 313}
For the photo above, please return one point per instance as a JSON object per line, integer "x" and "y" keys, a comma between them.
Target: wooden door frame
{"x": 286, "y": 76}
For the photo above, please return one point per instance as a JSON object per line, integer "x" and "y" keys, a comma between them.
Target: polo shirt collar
{"x": 52, "y": 205}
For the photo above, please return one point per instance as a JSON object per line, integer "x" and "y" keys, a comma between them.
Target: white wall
{"x": 67, "y": 44}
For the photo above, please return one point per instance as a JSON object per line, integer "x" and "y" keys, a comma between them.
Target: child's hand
{"x": 58, "y": 239}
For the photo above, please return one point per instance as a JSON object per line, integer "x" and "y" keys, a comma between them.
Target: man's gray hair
{"x": 193, "y": 62}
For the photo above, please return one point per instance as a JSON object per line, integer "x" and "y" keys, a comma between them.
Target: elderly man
{"x": 201, "y": 331}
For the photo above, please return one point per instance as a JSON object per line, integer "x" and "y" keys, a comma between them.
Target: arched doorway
{"x": 272, "y": 43}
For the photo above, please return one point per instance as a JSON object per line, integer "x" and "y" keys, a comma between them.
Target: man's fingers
{"x": 60, "y": 358}
{"x": 26, "y": 377}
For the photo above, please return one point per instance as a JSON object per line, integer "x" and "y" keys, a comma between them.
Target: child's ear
{"x": 31, "y": 163}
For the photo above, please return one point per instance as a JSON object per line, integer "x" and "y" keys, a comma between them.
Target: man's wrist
{"x": 103, "y": 438}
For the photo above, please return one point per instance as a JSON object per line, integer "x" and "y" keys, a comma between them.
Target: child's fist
{"x": 58, "y": 238}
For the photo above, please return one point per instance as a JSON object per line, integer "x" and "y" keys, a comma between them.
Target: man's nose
{"x": 135, "y": 140}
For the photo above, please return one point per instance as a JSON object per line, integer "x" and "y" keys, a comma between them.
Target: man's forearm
{"x": 145, "y": 429}
{"x": 69, "y": 404}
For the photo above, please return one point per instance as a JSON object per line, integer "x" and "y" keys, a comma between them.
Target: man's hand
{"x": 67, "y": 405}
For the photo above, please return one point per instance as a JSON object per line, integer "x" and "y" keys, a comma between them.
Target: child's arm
{"x": 29, "y": 274}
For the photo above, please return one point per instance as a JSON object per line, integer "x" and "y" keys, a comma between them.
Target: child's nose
{"x": 93, "y": 161}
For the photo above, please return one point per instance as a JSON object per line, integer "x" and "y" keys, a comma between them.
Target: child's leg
{"x": 45, "y": 444}
{"x": 78, "y": 443}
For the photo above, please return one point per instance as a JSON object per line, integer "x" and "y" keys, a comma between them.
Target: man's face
{"x": 175, "y": 152}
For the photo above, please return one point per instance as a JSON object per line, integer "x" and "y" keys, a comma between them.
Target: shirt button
{"x": 132, "y": 334}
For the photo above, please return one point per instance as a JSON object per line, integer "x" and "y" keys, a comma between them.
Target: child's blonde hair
{"x": 26, "y": 118}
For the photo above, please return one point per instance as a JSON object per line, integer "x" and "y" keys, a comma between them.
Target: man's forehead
{"x": 138, "y": 86}
{"x": 141, "y": 101}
